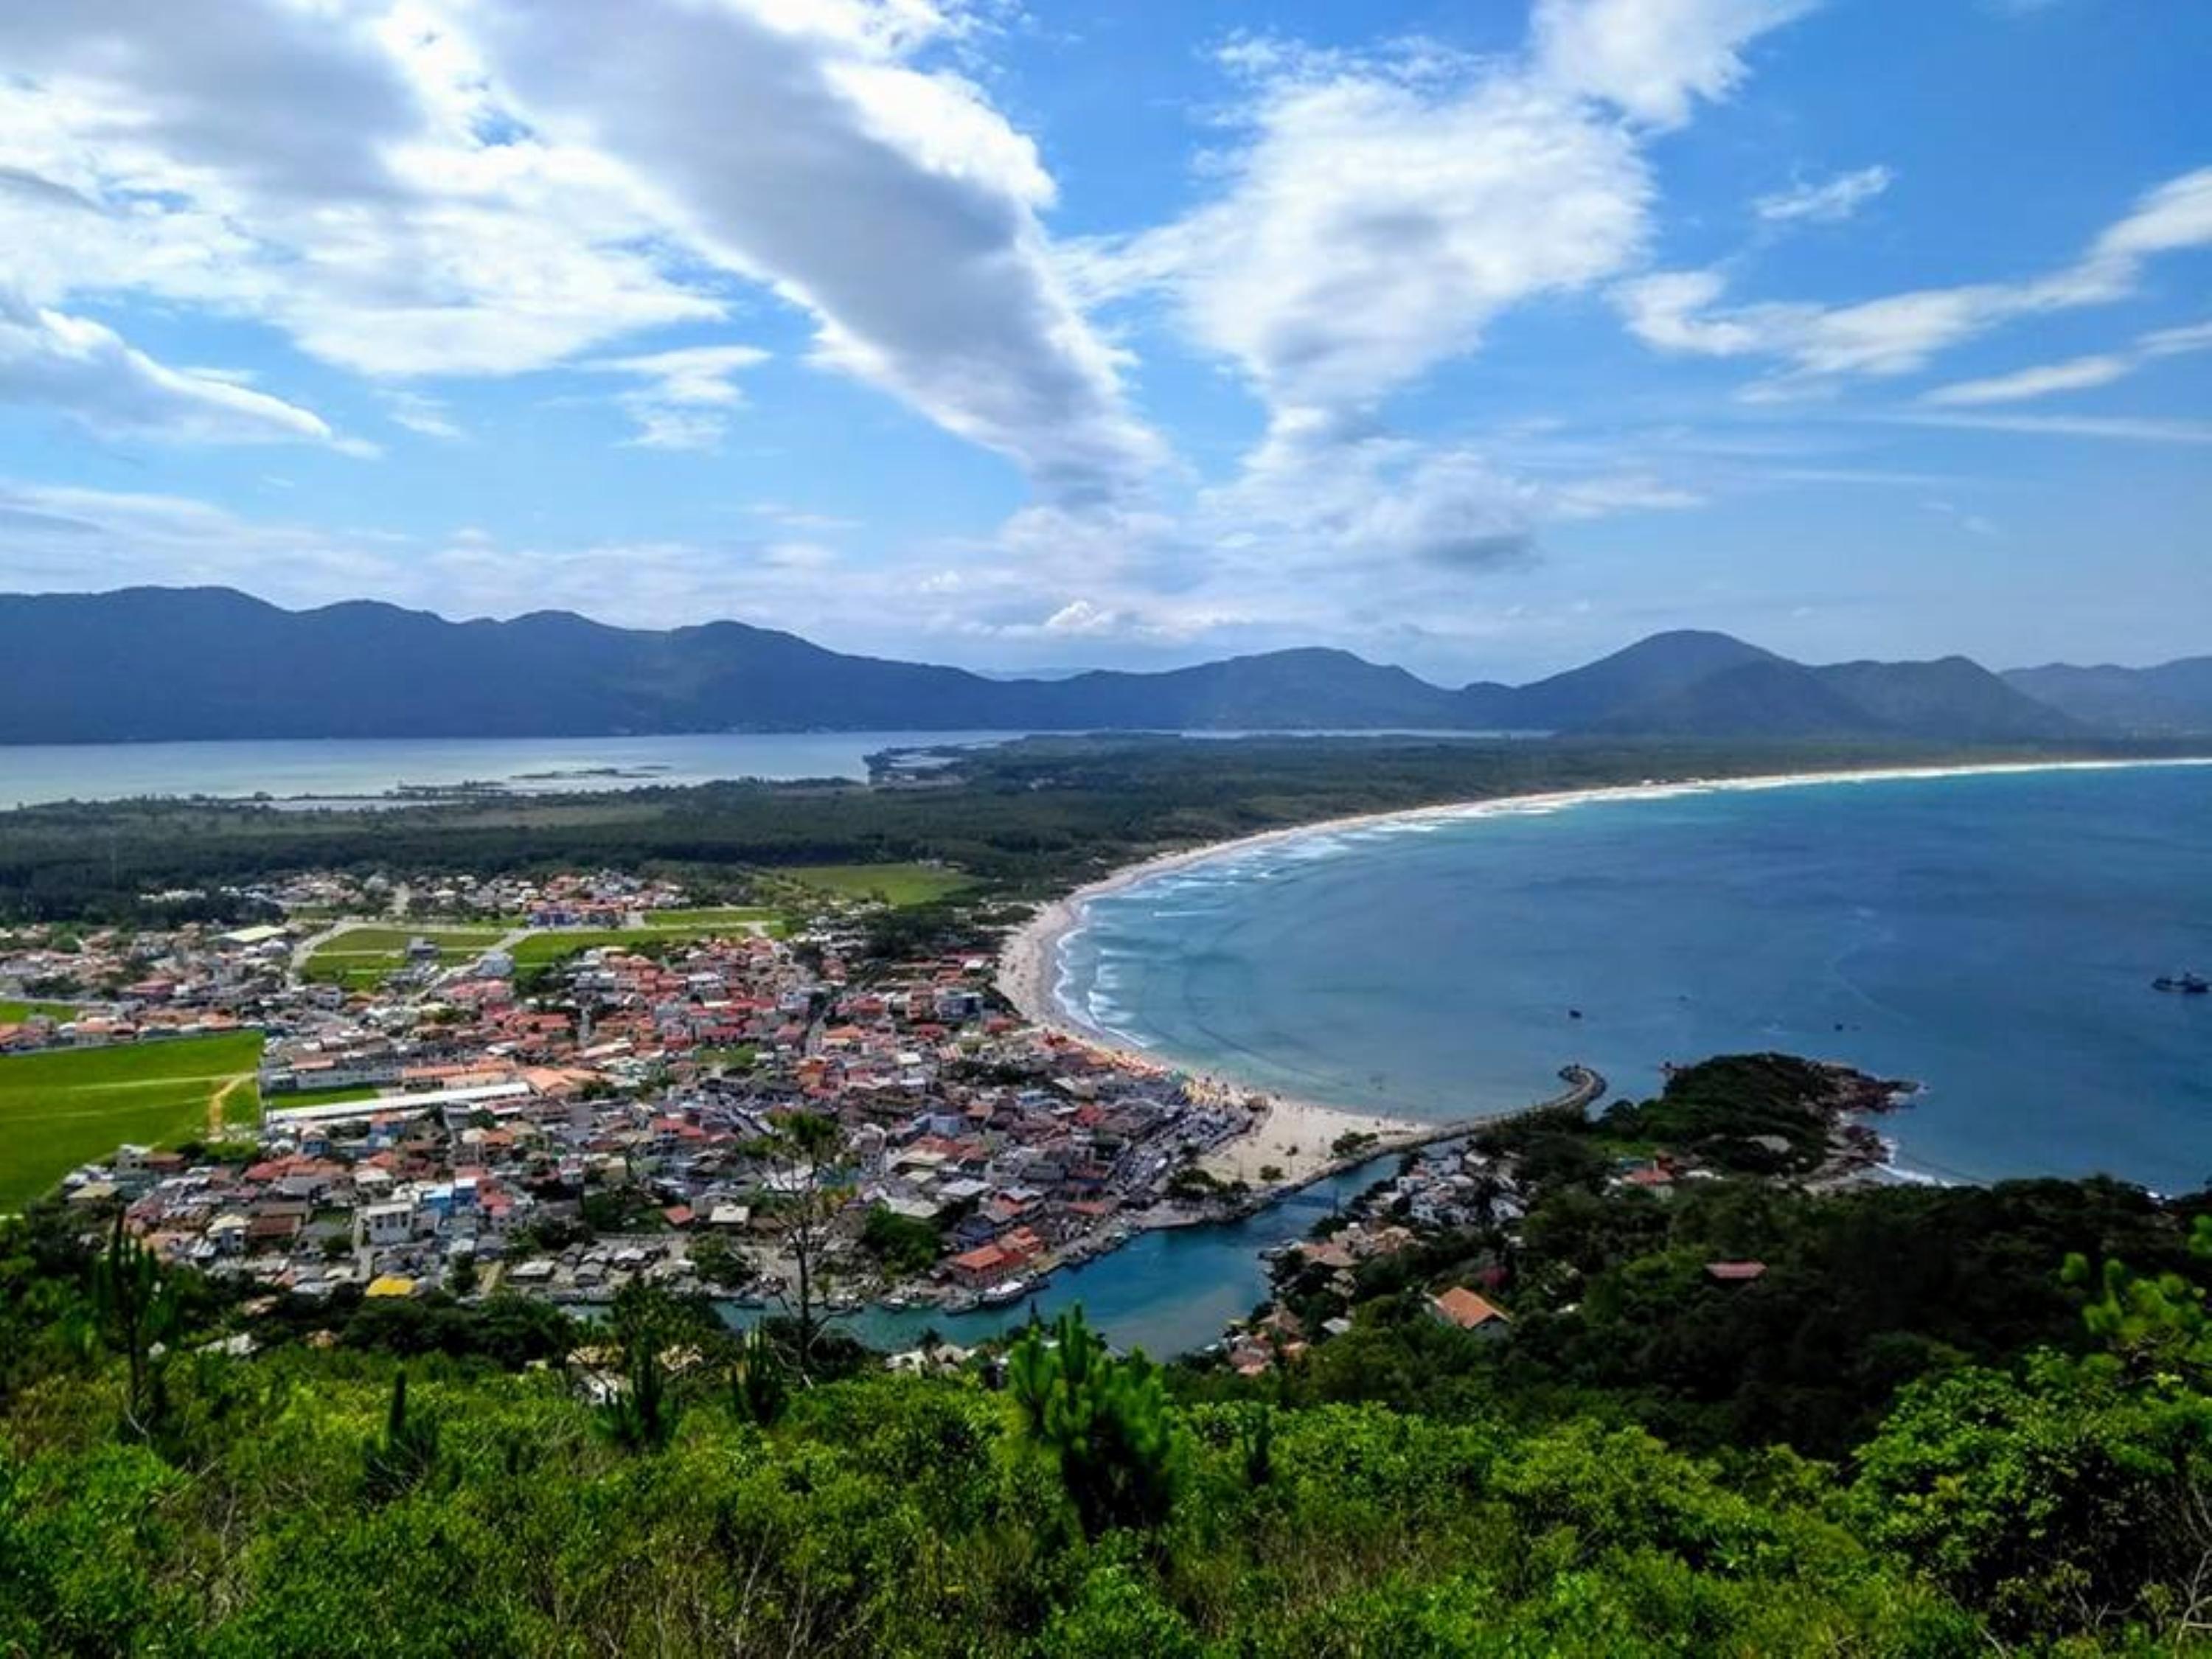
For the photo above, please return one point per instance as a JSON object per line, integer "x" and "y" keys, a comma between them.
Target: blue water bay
{"x": 1992, "y": 936}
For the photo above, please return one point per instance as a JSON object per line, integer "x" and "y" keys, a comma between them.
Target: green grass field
{"x": 898, "y": 884}
{"x": 728, "y": 916}
{"x": 296, "y": 1097}
{"x": 361, "y": 957}
{"x": 14, "y": 1013}
{"x": 541, "y": 949}
{"x": 67, "y": 1107}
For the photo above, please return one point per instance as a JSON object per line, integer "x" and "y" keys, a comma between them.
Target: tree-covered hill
{"x": 469, "y": 1481}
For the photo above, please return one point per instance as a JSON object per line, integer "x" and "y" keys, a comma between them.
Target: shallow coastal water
{"x": 348, "y": 771}
{"x": 330, "y": 769}
{"x": 1992, "y": 936}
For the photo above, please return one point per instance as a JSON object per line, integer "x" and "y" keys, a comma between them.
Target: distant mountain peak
{"x": 211, "y": 662}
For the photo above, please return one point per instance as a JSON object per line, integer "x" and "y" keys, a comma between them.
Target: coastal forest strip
{"x": 1026, "y": 819}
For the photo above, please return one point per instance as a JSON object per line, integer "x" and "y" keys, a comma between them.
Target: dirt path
{"x": 216, "y": 1102}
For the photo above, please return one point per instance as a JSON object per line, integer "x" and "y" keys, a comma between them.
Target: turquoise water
{"x": 1993, "y": 937}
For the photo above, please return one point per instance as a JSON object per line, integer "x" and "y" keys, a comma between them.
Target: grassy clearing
{"x": 729, "y": 916}
{"x": 542, "y": 949}
{"x": 296, "y": 1097}
{"x": 67, "y": 1107}
{"x": 898, "y": 884}
{"x": 361, "y": 957}
{"x": 14, "y": 1013}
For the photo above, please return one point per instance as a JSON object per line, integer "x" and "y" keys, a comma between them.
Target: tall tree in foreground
{"x": 136, "y": 1300}
{"x": 641, "y": 1413}
{"x": 403, "y": 1456}
{"x": 804, "y": 1154}
{"x": 1104, "y": 1423}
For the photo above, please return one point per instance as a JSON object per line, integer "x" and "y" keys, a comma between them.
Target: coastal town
{"x": 598, "y": 1086}
{"x": 561, "y": 1086}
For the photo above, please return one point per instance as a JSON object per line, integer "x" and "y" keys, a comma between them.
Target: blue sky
{"x": 1480, "y": 337}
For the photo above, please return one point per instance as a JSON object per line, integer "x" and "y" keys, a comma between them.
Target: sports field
{"x": 62, "y": 1108}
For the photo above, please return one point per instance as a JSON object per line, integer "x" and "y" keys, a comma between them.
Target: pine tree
{"x": 135, "y": 1301}
{"x": 403, "y": 1456}
{"x": 1104, "y": 1423}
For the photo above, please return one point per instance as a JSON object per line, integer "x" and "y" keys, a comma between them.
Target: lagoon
{"x": 350, "y": 771}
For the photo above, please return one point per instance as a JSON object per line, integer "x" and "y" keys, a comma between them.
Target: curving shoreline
{"x": 1029, "y": 959}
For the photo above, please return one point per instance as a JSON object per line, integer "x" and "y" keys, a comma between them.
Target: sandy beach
{"x": 1295, "y": 1135}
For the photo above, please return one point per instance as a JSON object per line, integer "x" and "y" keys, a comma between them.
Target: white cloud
{"x": 61, "y": 538}
{"x": 1654, "y": 58}
{"x": 423, "y": 415}
{"x": 1083, "y": 619}
{"x": 2121, "y": 429}
{"x": 2077, "y": 373}
{"x": 1374, "y": 216}
{"x": 2170, "y": 341}
{"x": 417, "y": 188}
{"x": 322, "y": 168}
{"x": 1900, "y": 333}
{"x": 687, "y": 393}
{"x": 1829, "y": 201}
{"x": 891, "y": 201}
{"x": 1372, "y": 225}
{"x": 51, "y": 359}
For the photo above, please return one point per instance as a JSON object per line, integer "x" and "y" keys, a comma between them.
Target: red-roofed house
{"x": 1469, "y": 1311}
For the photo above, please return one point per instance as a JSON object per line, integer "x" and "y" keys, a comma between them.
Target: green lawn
{"x": 67, "y": 1107}
{"x": 296, "y": 1097}
{"x": 559, "y": 944}
{"x": 361, "y": 957}
{"x": 899, "y": 885}
{"x": 14, "y": 1013}
{"x": 729, "y": 916}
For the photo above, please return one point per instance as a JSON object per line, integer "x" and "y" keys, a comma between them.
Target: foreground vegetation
{"x": 426, "y": 1479}
{"x": 63, "y": 1107}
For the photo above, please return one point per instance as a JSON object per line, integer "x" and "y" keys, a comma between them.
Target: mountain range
{"x": 207, "y": 663}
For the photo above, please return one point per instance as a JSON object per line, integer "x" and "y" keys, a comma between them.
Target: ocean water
{"x": 1992, "y": 937}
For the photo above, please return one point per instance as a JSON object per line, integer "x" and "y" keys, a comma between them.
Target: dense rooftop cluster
{"x": 458, "y": 1126}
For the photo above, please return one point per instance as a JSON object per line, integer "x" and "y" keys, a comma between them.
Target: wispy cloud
{"x": 687, "y": 393}
{"x": 2120, "y": 428}
{"x": 51, "y": 359}
{"x": 1829, "y": 200}
{"x": 2076, "y": 374}
{"x": 1900, "y": 333}
{"x": 1376, "y": 213}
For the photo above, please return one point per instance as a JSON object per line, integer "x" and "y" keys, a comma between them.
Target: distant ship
{"x": 2188, "y": 985}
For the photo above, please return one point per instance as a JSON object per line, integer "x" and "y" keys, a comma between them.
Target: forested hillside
{"x": 182, "y": 1474}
